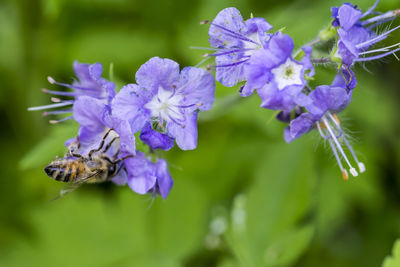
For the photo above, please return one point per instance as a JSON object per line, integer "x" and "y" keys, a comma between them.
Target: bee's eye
{"x": 111, "y": 170}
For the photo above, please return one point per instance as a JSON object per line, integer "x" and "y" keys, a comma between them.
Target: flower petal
{"x": 156, "y": 140}
{"x": 198, "y": 87}
{"x": 158, "y": 72}
{"x": 141, "y": 173}
{"x": 230, "y": 19}
{"x": 88, "y": 112}
{"x": 128, "y": 105}
{"x": 186, "y": 137}
{"x": 164, "y": 180}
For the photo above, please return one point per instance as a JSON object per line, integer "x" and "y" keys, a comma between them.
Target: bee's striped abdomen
{"x": 64, "y": 170}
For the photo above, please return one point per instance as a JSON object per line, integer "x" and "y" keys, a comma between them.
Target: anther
{"x": 345, "y": 175}
{"x": 353, "y": 172}
{"x": 361, "y": 167}
{"x": 51, "y": 80}
{"x": 204, "y": 22}
{"x": 55, "y": 99}
{"x": 53, "y": 121}
{"x": 205, "y": 55}
{"x": 44, "y": 114}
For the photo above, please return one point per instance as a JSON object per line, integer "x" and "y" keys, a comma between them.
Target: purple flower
{"x": 95, "y": 119}
{"x": 355, "y": 36}
{"x": 325, "y": 102}
{"x": 277, "y": 77}
{"x": 165, "y": 103}
{"x": 144, "y": 176}
{"x": 89, "y": 83}
{"x": 235, "y": 41}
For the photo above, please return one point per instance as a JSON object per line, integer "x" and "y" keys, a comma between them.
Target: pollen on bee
{"x": 345, "y": 175}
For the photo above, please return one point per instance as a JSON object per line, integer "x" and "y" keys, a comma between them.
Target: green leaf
{"x": 288, "y": 247}
{"x": 276, "y": 203}
{"x": 394, "y": 260}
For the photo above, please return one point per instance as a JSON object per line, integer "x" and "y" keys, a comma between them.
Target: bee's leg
{"x": 121, "y": 159}
{"x": 109, "y": 144}
{"x": 101, "y": 144}
{"x": 75, "y": 145}
{"x": 114, "y": 157}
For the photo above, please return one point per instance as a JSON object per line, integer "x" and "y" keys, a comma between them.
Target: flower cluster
{"x": 162, "y": 107}
{"x": 268, "y": 64}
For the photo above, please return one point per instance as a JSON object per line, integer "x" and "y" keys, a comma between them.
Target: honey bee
{"x": 95, "y": 167}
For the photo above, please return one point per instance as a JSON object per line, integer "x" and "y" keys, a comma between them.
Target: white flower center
{"x": 288, "y": 73}
{"x": 165, "y": 106}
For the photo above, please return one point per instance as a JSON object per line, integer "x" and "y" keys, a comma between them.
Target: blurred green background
{"x": 243, "y": 198}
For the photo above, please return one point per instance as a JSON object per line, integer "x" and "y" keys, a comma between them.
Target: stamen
{"x": 57, "y": 105}
{"x": 370, "y": 9}
{"x": 58, "y": 121}
{"x": 383, "y": 49}
{"x": 345, "y": 175}
{"x": 376, "y": 39}
{"x": 52, "y": 81}
{"x": 46, "y": 91}
{"x": 44, "y": 114}
{"x": 360, "y": 165}
{"x": 352, "y": 170}
{"x": 378, "y": 56}
{"x": 55, "y": 99}
{"x": 387, "y": 15}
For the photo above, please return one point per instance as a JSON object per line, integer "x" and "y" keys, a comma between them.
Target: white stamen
{"x": 51, "y": 80}
{"x": 361, "y": 167}
{"x": 383, "y": 49}
{"x": 57, "y": 105}
{"x": 353, "y": 172}
{"x": 336, "y": 142}
{"x": 165, "y": 105}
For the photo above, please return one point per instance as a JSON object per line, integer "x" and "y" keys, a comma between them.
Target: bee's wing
{"x": 68, "y": 189}
{"x": 74, "y": 185}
